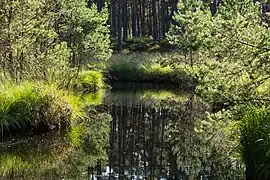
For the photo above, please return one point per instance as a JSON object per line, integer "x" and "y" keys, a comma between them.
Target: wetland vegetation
{"x": 134, "y": 90}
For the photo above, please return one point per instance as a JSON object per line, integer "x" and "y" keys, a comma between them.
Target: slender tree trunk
{"x": 119, "y": 28}
{"x": 154, "y": 13}
{"x": 143, "y": 17}
{"x": 99, "y": 5}
{"x": 113, "y": 18}
{"x": 125, "y": 20}
{"x": 150, "y": 20}
{"x": 162, "y": 19}
{"x": 134, "y": 18}
{"x": 11, "y": 64}
{"x": 214, "y": 7}
{"x": 138, "y": 18}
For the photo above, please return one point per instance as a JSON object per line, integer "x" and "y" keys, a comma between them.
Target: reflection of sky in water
{"x": 116, "y": 176}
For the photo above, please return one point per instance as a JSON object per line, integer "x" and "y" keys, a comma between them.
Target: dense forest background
{"x": 147, "y": 18}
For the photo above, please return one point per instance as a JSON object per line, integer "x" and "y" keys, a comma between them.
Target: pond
{"x": 138, "y": 132}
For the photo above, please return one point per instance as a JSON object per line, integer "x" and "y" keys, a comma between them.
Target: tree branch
{"x": 252, "y": 45}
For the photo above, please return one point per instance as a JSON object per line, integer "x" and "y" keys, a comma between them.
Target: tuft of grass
{"x": 255, "y": 140}
{"x": 89, "y": 80}
{"x": 36, "y": 107}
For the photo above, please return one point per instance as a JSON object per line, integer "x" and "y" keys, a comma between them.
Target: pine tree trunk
{"x": 134, "y": 18}
{"x": 119, "y": 26}
{"x": 138, "y": 18}
{"x": 113, "y": 19}
{"x": 99, "y": 5}
{"x": 214, "y": 7}
{"x": 154, "y": 13}
{"x": 125, "y": 19}
{"x": 162, "y": 19}
{"x": 143, "y": 17}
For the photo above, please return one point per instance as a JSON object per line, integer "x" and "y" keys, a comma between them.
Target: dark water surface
{"x": 138, "y": 132}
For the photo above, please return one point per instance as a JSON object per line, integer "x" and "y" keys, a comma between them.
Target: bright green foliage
{"x": 88, "y": 80}
{"x": 93, "y": 98}
{"x": 29, "y": 44}
{"x": 193, "y": 30}
{"x": 84, "y": 30}
{"x": 235, "y": 63}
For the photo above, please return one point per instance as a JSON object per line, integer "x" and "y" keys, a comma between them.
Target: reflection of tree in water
{"x": 56, "y": 155}
{"x": 137, "y": 141}
{"x": 138, "y": 144}
{"x": 201, "y": 153}
{"x": 151, "y": 140}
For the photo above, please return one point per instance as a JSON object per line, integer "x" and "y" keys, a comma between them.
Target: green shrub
{"x": 255, "y": 142}
{"x": 32, "y": 107}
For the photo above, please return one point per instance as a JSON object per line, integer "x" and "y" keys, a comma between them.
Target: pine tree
{"x": 41, "y": 37}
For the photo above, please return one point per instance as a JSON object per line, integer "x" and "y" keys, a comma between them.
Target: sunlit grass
{"x": 37, "y": 105}
{"x": 156, "y": 69}
{"x": 75, "y": 135}
{"x": 89, "y": 80}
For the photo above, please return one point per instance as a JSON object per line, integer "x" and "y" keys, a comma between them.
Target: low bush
{"x": 36, "y": 107}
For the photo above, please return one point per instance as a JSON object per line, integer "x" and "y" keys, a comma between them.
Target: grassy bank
{"x": 34, "y": 107}
{"x": 147, "y": 68}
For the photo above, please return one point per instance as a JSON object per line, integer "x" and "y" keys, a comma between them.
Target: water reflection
{"x": 153, "y": 134}
{"x": 57, "y": 155}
